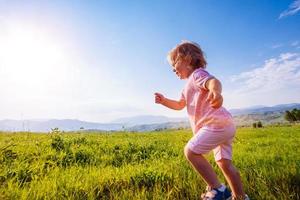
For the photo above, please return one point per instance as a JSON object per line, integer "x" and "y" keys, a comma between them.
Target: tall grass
{"x": 141, "y": 165}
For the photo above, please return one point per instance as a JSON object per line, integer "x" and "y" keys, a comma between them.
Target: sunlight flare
{"x": 30, "y": 58}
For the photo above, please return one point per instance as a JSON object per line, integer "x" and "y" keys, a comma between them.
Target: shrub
{"x": 68, "y": 159}
{"x": 117, "y": 160}
{"x": 81, "y": 140}
{"x": 55, "y": 131}
{"x": 83, "y": 157}
{"x": 9, "y": 155}
{"x": 259, "y": 124}
{"x": 57, "y": 143}
{"x": 51, "y": 162}
{"x": 292, "y": 116}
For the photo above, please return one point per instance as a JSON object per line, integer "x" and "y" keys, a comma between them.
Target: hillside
{"x": 268, "y": 118}
{"x": 242, "y": 117}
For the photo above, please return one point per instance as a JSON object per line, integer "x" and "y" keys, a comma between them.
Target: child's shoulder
{"x": 200, "y": 73}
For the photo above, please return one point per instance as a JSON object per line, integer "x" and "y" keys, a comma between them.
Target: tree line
{"x": 257, "y": 124}
{"x": 293, "y": 115}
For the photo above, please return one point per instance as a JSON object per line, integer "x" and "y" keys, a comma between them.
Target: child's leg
{"x": 202, "y": 166}
{"x": 233, "y": 177}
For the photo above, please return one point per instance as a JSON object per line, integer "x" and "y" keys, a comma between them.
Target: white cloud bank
{"x": 276, "y": 81}
{"x": 292, "y": 10}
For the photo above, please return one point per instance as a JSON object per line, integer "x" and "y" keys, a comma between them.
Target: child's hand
{"x": 215, "y": 99}
{"x": 159, "y": 98}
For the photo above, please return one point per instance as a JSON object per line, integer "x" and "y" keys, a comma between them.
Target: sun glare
{"x": 29, "y": 59}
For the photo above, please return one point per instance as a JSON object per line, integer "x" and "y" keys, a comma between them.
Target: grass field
{"x": 141, "y": 165}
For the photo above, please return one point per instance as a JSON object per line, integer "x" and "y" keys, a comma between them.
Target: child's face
{"x": 182, "y": 69}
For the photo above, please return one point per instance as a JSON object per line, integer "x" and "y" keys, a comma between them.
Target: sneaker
{"x": 215, "y": 194}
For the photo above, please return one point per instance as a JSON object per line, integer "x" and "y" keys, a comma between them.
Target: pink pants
{"x": 218, "y": 140}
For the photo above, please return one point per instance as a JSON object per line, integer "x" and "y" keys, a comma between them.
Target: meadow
{"x": 151, "y": 165}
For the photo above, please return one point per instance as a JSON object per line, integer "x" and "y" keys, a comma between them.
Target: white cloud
{"x": 276, "y": 72}
{"x": 275, "y": 82}
{"x": 292, "y": 10}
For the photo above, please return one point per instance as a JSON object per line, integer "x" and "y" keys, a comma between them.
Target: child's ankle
{"x": 221, "y": 188}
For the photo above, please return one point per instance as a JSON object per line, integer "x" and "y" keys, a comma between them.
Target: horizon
{"x": 100, "y": 61}
{"x": 133, "y": 116}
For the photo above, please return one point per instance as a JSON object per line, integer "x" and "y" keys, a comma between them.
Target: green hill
{"x": 266, "y": 118}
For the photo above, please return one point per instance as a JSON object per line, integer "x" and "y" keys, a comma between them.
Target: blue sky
{"x": 101, "y": 60}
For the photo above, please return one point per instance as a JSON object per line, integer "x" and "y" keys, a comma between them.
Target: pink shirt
{"x": 199, "y": 110}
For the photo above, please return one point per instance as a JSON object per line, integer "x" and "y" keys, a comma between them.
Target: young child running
{"x": 212, "y": 125}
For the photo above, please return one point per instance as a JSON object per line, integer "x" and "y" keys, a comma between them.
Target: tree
{"x": 296, "y": 113}
{"x": 289, "y": 116}
{"x": 254, "y": 125}
{"x": 259, "y": 124}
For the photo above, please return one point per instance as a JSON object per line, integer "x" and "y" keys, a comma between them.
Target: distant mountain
{"x": 264, "y": 109}
{"x": 268, "y": 118}
{"x": 160, "y": 126}
{"x": 146, "y": 119}
{"x": 244, "y": 116}
{"x": 267, "y": 115}
{"x": 47, "y": 125}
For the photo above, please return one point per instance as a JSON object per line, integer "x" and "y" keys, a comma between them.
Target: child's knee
{"x": 188, "y": 153}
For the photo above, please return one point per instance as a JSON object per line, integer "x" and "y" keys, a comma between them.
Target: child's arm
{"x": 214, "y": 95}
{"x": 173, "y": 104}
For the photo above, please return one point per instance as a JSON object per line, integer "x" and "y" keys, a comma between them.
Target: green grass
{"x": 141, "y": 165}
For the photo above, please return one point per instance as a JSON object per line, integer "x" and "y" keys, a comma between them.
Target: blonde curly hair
{"x": 188, "y": 50}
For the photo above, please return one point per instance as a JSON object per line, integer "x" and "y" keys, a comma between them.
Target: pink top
{"x": 199, "y": 110}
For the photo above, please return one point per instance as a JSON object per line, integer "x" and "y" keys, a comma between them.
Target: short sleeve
{"x": 200, "y": 78}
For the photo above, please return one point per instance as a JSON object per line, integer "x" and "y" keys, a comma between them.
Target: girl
{"x": 212, "y": 125}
